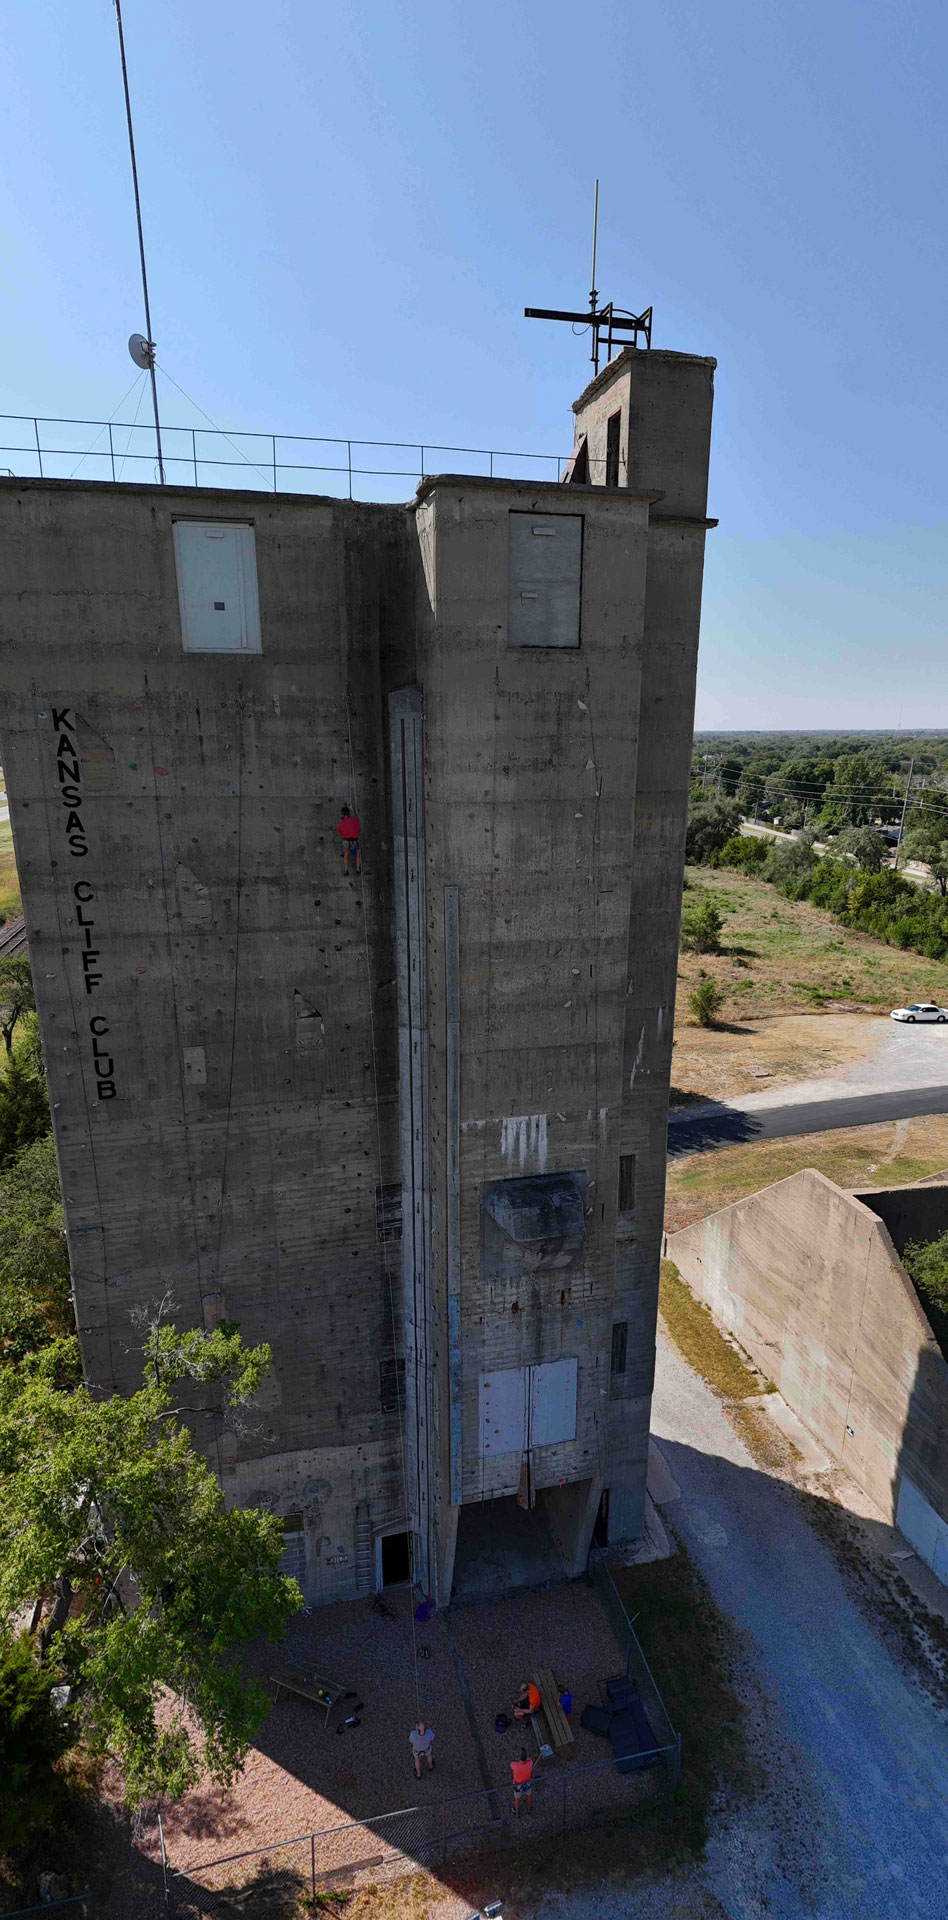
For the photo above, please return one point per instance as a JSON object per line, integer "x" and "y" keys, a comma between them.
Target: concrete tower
{"x": 408, "y": 1126}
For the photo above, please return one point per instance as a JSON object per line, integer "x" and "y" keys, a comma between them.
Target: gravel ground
{"x": 851, "y": 1822}
{"x": 301, "y": 1777}
{"x": 905, "y": 1057}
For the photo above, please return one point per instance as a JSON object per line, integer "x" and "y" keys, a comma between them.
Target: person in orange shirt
{"x": 529, "y": 1701}
{"x": 522, "y": 1771}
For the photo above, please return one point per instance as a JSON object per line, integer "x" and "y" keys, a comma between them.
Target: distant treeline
{"x": 825, "y": 781}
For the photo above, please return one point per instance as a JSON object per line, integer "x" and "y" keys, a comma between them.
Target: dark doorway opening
{"x": 613, "y": 425}
{"x": 601, "y": 1528}
{"x": 394, "y": 1559}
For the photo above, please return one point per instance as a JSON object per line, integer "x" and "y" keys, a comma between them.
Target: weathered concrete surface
{"x": 807, "y": 1278}
{"x": 218, "y": 1002}
{"x": 909, "y": 1213}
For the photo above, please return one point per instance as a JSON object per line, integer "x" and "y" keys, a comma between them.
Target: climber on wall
{"x": 348, "y": 830}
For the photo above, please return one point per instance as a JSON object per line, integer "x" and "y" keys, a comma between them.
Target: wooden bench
{"x": 310, "y": 1686}
{"x": 550, "y": 1725}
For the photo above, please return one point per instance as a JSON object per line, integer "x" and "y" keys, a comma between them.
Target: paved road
{"x": 852, "y": 1822}
{"x": 695, "y": 1131}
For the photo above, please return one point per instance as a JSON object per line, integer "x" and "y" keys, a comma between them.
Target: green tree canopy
{"x": 711, "y": 823}
{"x": 866, "y": 846}
{"x": 106, "y": 1505}
{"x": 35, "y": 1304}
{"x": 16, "y": 995}
{"x": 926, "y": 1263}
{"x": 24, "y": 1108}
{"x": 928, "y": 842}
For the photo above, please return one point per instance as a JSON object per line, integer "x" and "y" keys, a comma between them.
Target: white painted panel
{"x": 217, "y": 586}
{"x": 553, "y": 1403}
{"x": 923, "y": 1528}
{"x": 503, "y": 1412}
{"x": 545, "y": 575}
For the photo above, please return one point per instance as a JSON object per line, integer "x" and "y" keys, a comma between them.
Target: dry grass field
{"x": 803, "y": 996}
{"x": 9, "y": 884}
{"x": 881, "y": 1156}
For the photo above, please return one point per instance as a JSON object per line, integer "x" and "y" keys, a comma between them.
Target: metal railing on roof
{"x": 58, "y": 449}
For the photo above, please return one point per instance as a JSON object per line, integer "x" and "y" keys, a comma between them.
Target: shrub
{"x": 746, "y": 850}
{"x": 705, "y": 1001}
{"x": 701, "y": 928}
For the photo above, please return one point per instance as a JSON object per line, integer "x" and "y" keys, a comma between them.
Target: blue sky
{"x": 347, "y": 208}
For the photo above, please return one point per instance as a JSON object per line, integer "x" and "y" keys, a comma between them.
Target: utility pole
{"x": 908, "y": 789}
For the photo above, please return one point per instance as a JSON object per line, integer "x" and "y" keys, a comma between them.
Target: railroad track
{"x": 13, "y": 938}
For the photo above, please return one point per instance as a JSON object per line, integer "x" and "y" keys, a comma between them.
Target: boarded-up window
{"x": 545, "y": 579}
{"x": 391, "y": 1384}
{"x": 620, "y": 1341}
{"x": 626, "y": 1182}
{"x": 388, "y": 1212}
{"x": 613, "y": 424}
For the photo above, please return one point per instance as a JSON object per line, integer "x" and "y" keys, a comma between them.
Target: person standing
{"x": 348, "y": 831}
{"x": 522, "y": 1771}
{"x": 421, "y": 1739}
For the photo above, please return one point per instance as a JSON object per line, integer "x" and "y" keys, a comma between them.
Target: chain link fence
{"x": 636, "y": 1666}
{"x": 267, "y": 1881}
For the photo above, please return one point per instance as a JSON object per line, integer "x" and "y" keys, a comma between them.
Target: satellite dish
{"x": 142, "y": 350}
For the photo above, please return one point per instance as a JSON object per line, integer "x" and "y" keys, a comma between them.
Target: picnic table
{"x": 310, "y": 1686}
{"x": 550, "y": 1725}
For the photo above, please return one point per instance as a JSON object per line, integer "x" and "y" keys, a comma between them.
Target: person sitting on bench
{"x": 529, "y": 1701}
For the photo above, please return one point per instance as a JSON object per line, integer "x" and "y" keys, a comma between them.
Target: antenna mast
{"x": 593, "y": 296}
{"x": 608, "y": 324}
{"x": 149, "y": 354}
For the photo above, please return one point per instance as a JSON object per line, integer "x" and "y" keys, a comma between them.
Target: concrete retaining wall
{"x": 807, "y": 1278}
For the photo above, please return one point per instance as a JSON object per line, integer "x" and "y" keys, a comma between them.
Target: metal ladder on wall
{"x": 364, "y": 1552}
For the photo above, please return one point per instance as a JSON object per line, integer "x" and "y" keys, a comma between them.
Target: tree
{"x": 106, "y": 1503}
{"x": 16, "y": 995}
{"x": 35, "y": 1303}
{"x": 701, "y": 928}
{"x": 790, "y": 863}
{"x": 711, "y": 823}
{"x": 34, "y": 1734}
{"x": 24, "y": 1110}
{"x": 865, "y": 846}
{"x": 705, "y": 1001}
{"x": 927, "y": 843}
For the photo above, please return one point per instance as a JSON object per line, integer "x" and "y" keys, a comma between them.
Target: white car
{"x": 920, "y": 1010}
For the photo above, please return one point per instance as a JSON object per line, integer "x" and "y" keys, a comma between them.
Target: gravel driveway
{"x": 905, "y": 1057}
{"x": 853, "y": 1821}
